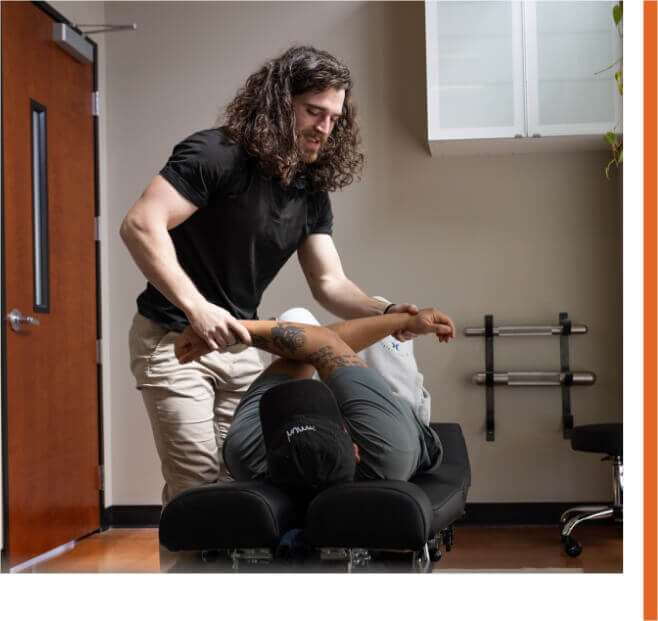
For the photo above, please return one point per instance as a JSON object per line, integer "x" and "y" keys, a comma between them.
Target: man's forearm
{"x": 344, "y": 299}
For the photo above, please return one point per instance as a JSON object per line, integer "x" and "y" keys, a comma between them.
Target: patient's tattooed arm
{"x": 288, "y": 336}
{"x": 278, "y": 339}
{"x": 259, "y": 341}
{"x": 315, "y": 345}
{"x": 326, "y": 360}
{"x": 320, "y": 347}
{"x": 327, "y": 349}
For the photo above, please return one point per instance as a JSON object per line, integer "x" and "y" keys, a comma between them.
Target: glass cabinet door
{"x": 475, "y": 69}
{"x": 567, "y": 43}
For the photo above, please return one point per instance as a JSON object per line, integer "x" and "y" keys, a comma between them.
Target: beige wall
{"x": 522, "y": 237}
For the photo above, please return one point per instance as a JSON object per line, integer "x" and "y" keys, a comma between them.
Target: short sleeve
{"x": 200, "y": 165}
{"x": 324, "y": 220}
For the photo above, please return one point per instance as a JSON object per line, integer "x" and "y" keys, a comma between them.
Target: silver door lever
{"x": 17, "y": 319}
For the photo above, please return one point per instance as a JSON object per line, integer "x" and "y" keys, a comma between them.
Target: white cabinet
{"x": 512, "y": 76}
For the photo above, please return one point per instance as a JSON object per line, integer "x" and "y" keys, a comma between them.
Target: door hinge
{"x": 97, "y": 228}
{"x": 95, "y": 103}
{"x": 98, "y": 351}
{"x": 101, "y": 478}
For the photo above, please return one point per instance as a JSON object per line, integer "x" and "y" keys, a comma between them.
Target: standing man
{"x": 213, "y": 229}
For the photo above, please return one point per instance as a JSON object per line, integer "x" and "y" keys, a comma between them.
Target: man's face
{"x": 315, "y": 117}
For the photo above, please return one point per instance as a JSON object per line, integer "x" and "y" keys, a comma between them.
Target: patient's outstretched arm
{"x": 314, "y": 345}
{"x": 326, "y": 349}
{"x": 364, "y": 331}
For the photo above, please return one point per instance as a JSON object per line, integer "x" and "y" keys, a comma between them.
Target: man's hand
{"x": 217, "y": 327}
{"x": 431, "y": 320}
{"x": 412, "y": 309}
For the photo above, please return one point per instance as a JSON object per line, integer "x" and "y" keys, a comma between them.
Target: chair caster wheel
{"x": 572, "y": 546}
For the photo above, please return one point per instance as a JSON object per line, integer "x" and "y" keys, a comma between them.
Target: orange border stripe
{"x": 650, "y": 315}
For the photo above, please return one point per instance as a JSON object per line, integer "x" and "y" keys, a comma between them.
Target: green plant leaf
{"x": 617, "y": 13}
{"x": 620, "y": 84}
{"x": 611, "y": 137}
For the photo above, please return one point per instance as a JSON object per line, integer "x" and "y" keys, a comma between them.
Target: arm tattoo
{"x": 285, "y": 337}
{"x": 288, "y": 337}
{"x": 327, "y": 360}
{"x": 259, "y": 341}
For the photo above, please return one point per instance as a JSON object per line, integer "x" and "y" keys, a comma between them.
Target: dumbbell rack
{"x": 564, "y": 378}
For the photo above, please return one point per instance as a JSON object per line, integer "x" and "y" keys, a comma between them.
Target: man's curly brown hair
{"x": 261, "y": 118}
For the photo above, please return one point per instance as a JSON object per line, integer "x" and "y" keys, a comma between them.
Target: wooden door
{"x": 51, "y": 390}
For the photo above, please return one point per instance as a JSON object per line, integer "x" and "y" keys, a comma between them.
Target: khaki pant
{"x": 190, "y": 406}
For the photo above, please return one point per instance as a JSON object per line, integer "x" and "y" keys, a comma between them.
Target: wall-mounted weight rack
{"x": 564, "y": 378}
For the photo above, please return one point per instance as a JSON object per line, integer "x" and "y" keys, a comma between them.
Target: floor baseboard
{"x": 480, "y": 513}
{"x": 132, "y": 516}
{"x": 518, "y": 513}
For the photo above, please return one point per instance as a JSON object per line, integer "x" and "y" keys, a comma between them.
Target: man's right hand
{"x": 432, "y": 321}
{"x": 217, "y": 327}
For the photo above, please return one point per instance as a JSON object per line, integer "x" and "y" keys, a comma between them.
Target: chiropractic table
{"x": 356, "y": 525}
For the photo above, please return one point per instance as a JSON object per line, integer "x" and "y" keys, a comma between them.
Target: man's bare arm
{"x": 330, "y": 286}
{"x": 145, "y": 231}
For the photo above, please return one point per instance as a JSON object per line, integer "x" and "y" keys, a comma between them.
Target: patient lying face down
{"x": 307, "y": 435}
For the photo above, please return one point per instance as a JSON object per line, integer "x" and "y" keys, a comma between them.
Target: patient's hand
{"x": 432, "y": 321}
{"x": 190, "y": 346}
{"x": 412, "y": 309}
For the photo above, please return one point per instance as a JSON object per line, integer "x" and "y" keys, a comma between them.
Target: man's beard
{"x": 309, "y": 154}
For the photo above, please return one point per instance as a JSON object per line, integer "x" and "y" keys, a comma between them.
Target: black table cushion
{"x": 249, "y": 514}
{"x": 447, "y": 500}
{"x": 455, "y": 466}
{"x": 370, "y": 514}
{"x": 601, "y": 438}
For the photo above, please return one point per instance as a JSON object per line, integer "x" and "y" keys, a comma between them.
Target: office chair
{"x": 602, "y": 438}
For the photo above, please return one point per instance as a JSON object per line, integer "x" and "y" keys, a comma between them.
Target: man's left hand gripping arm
{"x": 330, "y": 286}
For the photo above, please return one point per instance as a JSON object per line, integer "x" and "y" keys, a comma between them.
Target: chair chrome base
{"x": 594, "y": 512}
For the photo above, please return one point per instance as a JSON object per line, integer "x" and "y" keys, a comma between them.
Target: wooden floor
{"x": 476, "y": 548}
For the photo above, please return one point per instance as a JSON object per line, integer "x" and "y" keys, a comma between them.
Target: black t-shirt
{"x": 245, "y": 229}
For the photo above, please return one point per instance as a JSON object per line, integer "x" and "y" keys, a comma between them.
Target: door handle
{"x": 17, "y": 319}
